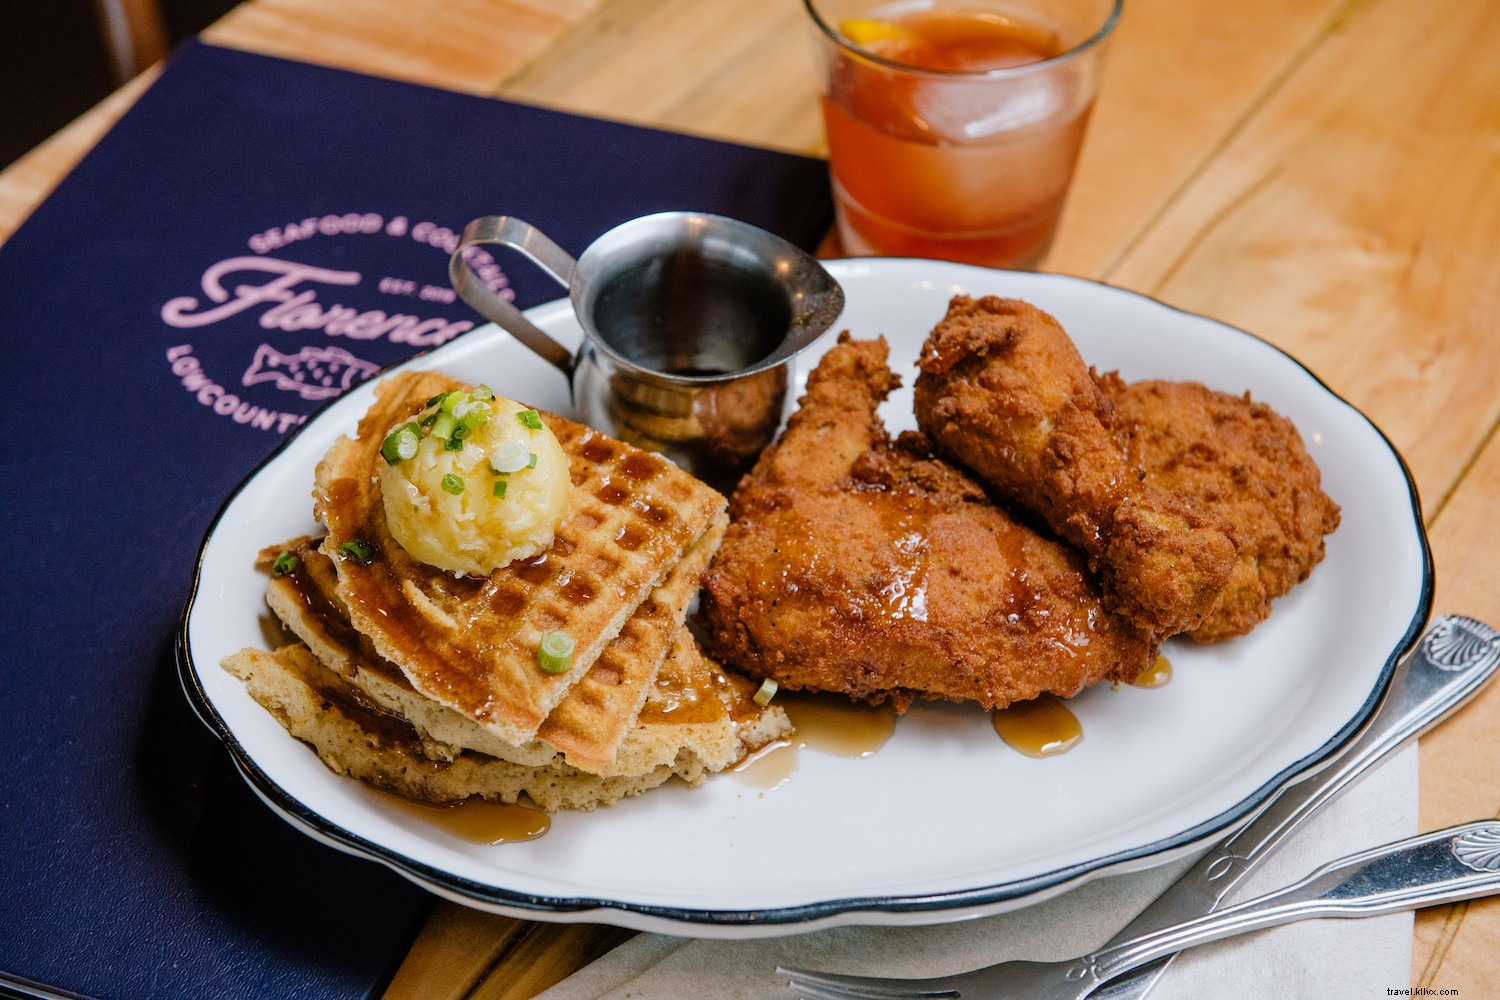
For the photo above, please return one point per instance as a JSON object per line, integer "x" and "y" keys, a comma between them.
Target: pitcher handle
{"x": 503, "y": 230}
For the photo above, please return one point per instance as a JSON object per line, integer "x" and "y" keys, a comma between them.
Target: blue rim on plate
{"x": 876, "y": 907}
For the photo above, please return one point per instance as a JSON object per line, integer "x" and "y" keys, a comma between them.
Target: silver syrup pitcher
{"x": 689, "y": 321}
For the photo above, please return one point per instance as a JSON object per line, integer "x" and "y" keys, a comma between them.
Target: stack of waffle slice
{"x": 427, "y": 683}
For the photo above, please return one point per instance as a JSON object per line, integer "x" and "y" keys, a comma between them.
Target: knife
{"x": 1455, "y": 657}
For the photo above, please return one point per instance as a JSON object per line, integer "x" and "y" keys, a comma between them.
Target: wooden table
{"x": 1325, "y": 173}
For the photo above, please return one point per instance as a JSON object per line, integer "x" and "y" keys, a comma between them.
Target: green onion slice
{"x": 455, "y": 440}
{"x": 443, "y": 426}
{"x": 555, "y": 653}
{"x": 436, "y": 400}
{"x": 285, "y": 564}
{"x": 483, "y": 393}
{"x": 508, "y": 457}
{"x": 472, "y": 413}
{"x": 766, "y": 693}
{"x": 530, "y": 419}
{"x": 358, "y": 551}
{"x": 451, "y": 400}
{"x": 499, "y": 490}
{"x": 452, "y": 484}
{"x": 401, "y": 443}
{"x": 531, "y": 460}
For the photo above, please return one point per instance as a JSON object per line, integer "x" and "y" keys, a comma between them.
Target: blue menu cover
{"x": 252, "y": 238}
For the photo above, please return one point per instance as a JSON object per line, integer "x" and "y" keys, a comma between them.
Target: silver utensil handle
{"x": 1461, "y": 862}
{"x": 507, "y": 231}
{"x": 1451, "y": 662}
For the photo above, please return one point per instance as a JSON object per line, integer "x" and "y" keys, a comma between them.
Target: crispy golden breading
{"x": 1003, "y": 391}
{"x": 1243, "y": 461}
{"x": 859, "y": 565}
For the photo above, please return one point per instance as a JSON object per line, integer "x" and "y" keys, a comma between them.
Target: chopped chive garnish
{"x": 555, "y": 653}
{"x": 472, "y": 414}
{"x": 508, "y": 457}
{"x": 401, "y": 443}
{"x": 483, "y": 393}
{"x": 766, "y": 693}
{"x": 358, "y": 551}
{"x": 530, "y": 419}
{"x": 499, "y": 490}
{"x": 285, "y": 563}
{"x": 531, "y": 460}
{"x": 453, "y": 484}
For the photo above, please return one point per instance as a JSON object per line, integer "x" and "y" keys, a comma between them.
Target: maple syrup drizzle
{"x": 829, "y": 724}
{"x": 769, "y": 766}
{"x": 1043, "y": 727}
{"x": 1159, "y": 674}
{"x": 476, "y": 820}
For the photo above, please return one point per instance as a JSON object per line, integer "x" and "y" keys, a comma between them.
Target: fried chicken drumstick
{"x": 1003, "y": 390}
{"x": 865, "y": 566}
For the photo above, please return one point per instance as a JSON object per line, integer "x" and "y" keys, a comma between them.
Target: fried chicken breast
{"x": 1003, "y": 391}
{"x": 865, "y": 566}
{"x": 1243, "y": 461}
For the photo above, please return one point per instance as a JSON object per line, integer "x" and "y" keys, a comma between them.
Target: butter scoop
{"x": 474, "y": 482}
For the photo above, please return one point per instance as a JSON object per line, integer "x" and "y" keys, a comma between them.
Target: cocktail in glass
{"x": 953, "y": 125}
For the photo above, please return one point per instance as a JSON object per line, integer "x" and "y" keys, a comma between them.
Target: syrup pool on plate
{"x": 1046, "y": 726}
{"x": 1042, "y": 727}
{"x": 826, "y": 723}
{"x": 1159, "y": 674}
{"x": 476, "y": 820}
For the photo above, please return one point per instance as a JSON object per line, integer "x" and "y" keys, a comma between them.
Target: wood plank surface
{"x": 468, "y": 45}
{"x": 1356, "y": 218}
{"x": 741, "y": 72}
{"x": 1455, "y": 947}
{"x": 1325, "y": 173}
{"x": 464, "y": 954}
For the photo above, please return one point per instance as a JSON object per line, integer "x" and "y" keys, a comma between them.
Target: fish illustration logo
{"x": 313, "y": 373}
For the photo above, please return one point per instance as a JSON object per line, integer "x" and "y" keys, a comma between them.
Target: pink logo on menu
{"x": 312, "y": 373}
{"x": 293, "y": 301}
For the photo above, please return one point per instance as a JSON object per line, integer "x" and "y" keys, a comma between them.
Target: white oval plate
{"x": 945, "y": 822}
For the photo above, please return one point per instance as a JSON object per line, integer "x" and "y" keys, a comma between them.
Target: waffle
{"x": 307, "y": 603}
{"x": 354, "y": 735}
{"x": 712, "y": 712}
{"x": 469, "y": 643}
{"x": 587, "y": 726}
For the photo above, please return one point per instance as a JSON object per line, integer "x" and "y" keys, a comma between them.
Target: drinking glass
{"x": 954, "y": 125}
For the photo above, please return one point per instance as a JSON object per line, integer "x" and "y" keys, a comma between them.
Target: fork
{"x": 1461, "y": 862}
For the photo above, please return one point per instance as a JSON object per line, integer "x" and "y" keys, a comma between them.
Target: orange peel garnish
{"x": 868, "y": 33}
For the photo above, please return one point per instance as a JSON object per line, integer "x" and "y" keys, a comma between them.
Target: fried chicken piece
{"x": 1243, "y": 461}
{"x": 866, "y": 566}
{"x": 1003, "y": 390}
